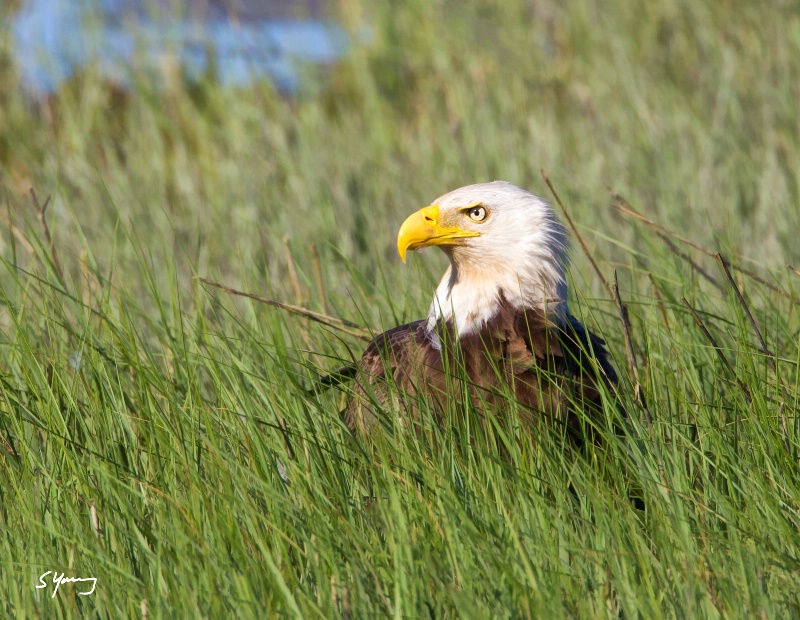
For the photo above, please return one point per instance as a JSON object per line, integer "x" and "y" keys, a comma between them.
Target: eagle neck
{"x": 467, "y": 299}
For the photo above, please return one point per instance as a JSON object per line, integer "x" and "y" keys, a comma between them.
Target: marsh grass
{"x": 172, "y": 440}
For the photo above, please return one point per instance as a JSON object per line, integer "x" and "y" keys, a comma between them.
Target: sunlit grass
{"x": 168, "y": 439}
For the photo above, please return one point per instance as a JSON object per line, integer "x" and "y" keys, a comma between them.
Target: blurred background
{"x": 226, "y": 136}
{"x": 236, "y": 42}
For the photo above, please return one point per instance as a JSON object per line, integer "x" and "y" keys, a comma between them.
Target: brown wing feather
{"x": 512, "y": 351}
{"x": 578, "y": 365}
{"x": 400, "y": 358}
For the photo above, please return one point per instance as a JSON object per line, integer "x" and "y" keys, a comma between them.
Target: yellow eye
{"x": 477, "y": 214}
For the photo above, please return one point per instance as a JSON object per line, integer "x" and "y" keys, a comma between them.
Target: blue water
{"x": 55, "y": 38}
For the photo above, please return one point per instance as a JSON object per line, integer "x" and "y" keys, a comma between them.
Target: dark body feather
{"x": 550, "y": 368}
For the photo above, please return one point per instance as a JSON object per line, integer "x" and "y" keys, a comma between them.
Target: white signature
{"x": 59, "y": 579}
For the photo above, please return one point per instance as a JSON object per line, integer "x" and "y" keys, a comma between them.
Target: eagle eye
{"x": 477, "y": 213}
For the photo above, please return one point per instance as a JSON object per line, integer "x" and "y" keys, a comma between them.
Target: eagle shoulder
{"x": 397, "y": 358}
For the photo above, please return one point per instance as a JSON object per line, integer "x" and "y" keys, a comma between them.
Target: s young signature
{"x": 58, "y": 579}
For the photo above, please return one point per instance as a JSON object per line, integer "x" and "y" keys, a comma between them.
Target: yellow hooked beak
{"x": 422, "y": 229}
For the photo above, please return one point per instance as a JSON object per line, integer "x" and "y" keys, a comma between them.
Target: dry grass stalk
{"x": 632, "y": 364}
{"x": 318, "y": 278}
{"x": 743, "y": 303}
{"x": 699, "y": 322}
{"x": 20, "y": 236}
{"x": 698, "y": 269}
{"x": 41, "y": 213}
{"x": 623, "y": 206}
{"x": 343, "y": 325}
{"x": 577, "y": 235}
{"x": 662, "y": 311}
{"x": 299, "y": 298}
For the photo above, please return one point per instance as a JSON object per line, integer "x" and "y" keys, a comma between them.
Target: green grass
{"x": 159, "y": 434}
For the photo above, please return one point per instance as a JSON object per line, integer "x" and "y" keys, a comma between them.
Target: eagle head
{"x": 505, "y": 245}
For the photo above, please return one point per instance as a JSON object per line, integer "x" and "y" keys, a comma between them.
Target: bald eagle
{"x": 498, "y": 326}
